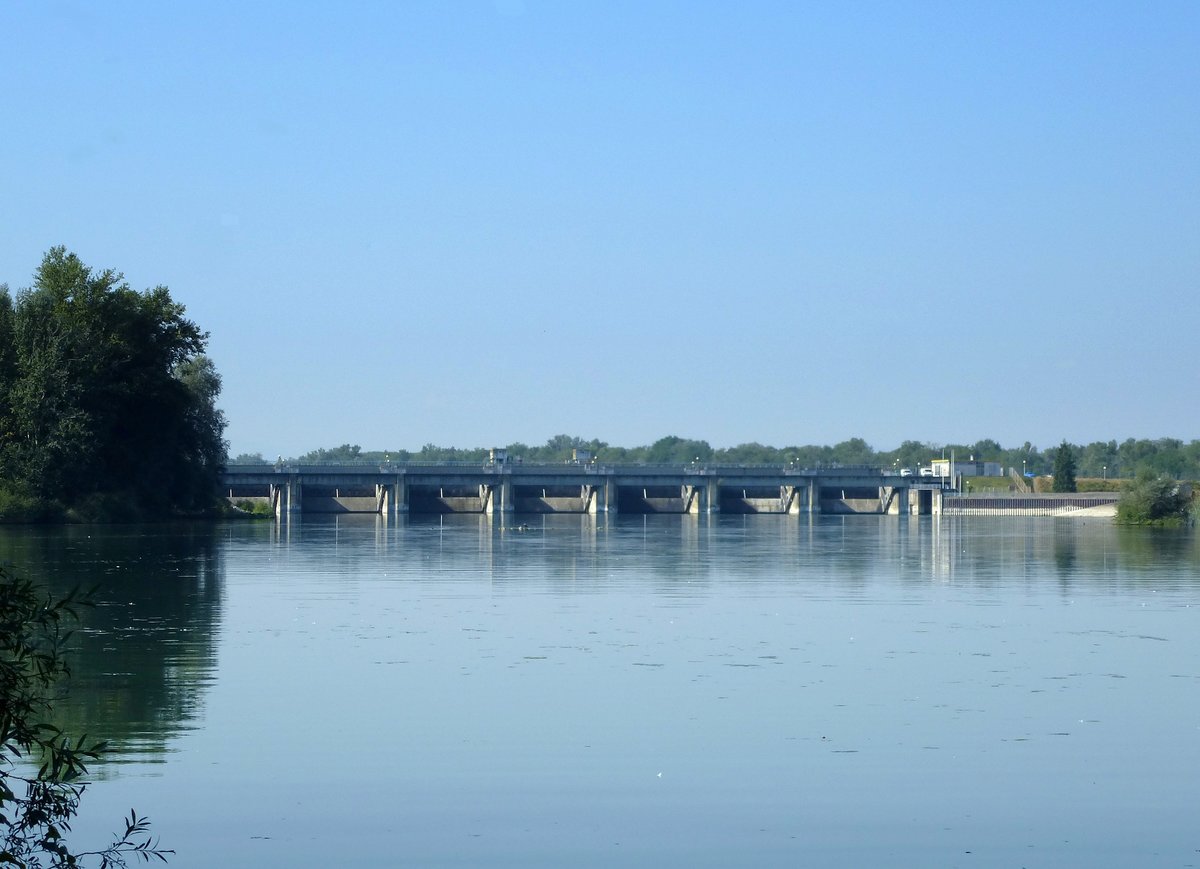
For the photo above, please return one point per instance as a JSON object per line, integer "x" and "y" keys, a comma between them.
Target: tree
{"x": 108, "y": 394}
{"x": 1099, "y": 459}
{"x": 37, "y": 807}
{"x": 751, "y": 454}
{"x": 7, "y": 356}
{"x": 560, "y": 448}
{"x": 986, "y": 449}
{"x": 673, "y": 450}
{"x": 855, "y": 451}
{"x": 1064, "y": 468}
{"x": 344, "y": 453}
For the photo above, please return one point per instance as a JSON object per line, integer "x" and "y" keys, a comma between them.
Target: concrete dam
{"x": 508, "y": 487}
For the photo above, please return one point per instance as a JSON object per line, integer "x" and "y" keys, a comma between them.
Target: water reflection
{"x": 144, "y": 655}
{"x": 697, "y": 551}
{"x": 147, "y": 654}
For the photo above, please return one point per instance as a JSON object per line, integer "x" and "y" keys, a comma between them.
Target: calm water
{"x": 662, "y": 691}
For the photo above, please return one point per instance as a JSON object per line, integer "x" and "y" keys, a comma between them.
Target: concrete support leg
{"x": 791, "y": 498}
{"x": 712, "y": 496}
{"x": 287, "y": 497}
{"x": 691, "y": 496}
{"x": 609, "y": 496}
{"x": 502, "y": 495}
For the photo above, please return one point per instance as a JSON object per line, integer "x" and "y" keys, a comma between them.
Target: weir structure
{"x": 515, "y": 487}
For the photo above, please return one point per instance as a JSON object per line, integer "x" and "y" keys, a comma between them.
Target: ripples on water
{"x": 643, "y": 690}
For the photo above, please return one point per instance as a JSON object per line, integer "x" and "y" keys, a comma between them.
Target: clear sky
{"x": 470, "y": 223}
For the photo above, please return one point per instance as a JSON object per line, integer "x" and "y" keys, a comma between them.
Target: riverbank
{"x": 20, "y": 509}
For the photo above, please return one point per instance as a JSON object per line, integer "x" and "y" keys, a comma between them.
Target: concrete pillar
{"x": 609, "y": 494}
{"x": 792, "y": 495}
{"x": 814, "y": 495}
{"x": 391, "y": 497}
{"x": 712, "y": 495}
{"x": 286, "y": 496}
{"x": 502, "y": 495}
{"x": 692, "y": 495}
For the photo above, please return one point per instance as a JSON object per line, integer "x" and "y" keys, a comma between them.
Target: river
{"x": 639, "y": 691}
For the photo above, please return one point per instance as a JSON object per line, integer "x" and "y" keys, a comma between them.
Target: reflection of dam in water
{"x": 146, "y": 658}
{"x": 505, "y": 487}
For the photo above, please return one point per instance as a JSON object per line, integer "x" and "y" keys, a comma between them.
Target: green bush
{"x": 1150, "y": 499}
{"x": 989, "y": 484}
{"x": 20, "y": 507}
{"x": 107, "y": 507}
{"x": 254, "y": 508}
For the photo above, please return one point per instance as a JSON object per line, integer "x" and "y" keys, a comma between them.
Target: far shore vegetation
{"x": 1096, "y": 466}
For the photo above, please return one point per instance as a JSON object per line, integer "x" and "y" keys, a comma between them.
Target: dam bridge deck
{"x": 472, "y": 487}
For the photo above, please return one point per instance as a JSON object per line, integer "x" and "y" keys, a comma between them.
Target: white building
{"x": 968, "y": 468}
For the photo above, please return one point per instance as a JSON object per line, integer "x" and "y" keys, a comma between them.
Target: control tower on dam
{"x": 514, "y": 487}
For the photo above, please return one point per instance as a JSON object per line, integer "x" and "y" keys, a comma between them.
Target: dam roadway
{"x": 515, "y": 487}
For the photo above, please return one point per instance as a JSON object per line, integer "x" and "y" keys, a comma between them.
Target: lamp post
{"x": 1022, "y": 467}
{"x": 1105, "y": 472}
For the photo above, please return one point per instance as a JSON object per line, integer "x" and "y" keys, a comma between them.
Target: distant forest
{"x": 1110, "y": 459}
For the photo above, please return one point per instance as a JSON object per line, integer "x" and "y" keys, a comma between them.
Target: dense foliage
{"x": 1152, "y": 499}
{"x": 107, "y": 402}
{"x": 42, "y": 769}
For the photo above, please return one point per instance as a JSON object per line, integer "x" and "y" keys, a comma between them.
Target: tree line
{"x": 1163, "y": 456}
{"x": 107, "y": 401}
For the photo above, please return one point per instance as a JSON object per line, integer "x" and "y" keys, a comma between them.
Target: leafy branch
{"x": 36, "y": 811}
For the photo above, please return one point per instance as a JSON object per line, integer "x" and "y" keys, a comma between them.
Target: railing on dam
{"x": 598, "y": 467}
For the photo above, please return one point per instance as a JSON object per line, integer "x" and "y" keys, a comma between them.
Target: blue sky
{"x": 479, "y": 222}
